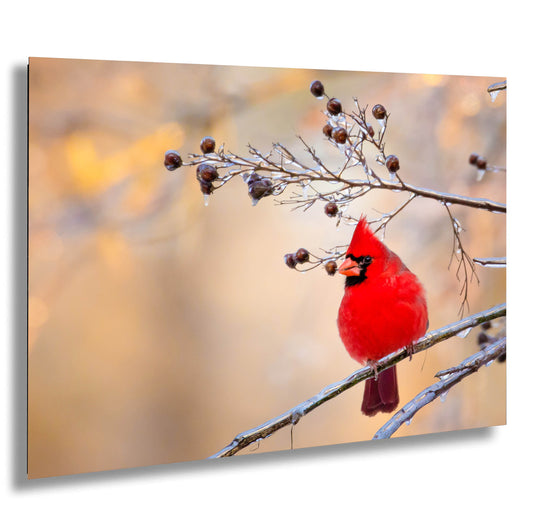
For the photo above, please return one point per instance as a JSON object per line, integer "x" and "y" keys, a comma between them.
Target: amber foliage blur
{"x": 160, "y": 328}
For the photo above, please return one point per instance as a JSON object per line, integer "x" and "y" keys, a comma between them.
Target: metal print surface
{"x": 235, "y": 260}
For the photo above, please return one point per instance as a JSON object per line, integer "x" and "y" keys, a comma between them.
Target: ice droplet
{"x": 489, "y": 363}
{"x": 254, "y": 201}
{"x": 408, "y": 421}
{"x": 493, "y": 94}
{"x": 443, "y": 396}
{"x": 480, "y": 174}
{"x": 464, "y": 333}
{"x": 382, "y": 123}
{"x": 296, "y": 416}
{"x": 305, "y": 188}
{"x": 206, "y": 199}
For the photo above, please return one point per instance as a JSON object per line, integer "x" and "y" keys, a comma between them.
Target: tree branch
{"x": 292, "y": 416}
{"x": 448, "y": 379}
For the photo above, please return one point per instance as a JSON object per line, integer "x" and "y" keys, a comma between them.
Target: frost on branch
{"x": 279, "y": 174}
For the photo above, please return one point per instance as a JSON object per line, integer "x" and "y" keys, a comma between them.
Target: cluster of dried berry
{"x": 261, "y": 186}
{"x": 340, "y": 135}
{"x": 293, "y": 259}
{"x": 479, "y": 161}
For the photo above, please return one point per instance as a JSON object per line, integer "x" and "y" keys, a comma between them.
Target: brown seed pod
{"x": 253, "y": 177}
{"x": 173, "y": 160}
{"x": 317, "y": 89}
{"x": 334, "y": 106}
{"x": 260, "y": 188}
{"x": 472, "y": 159}
{"x": 331, "y": 209}
{"x": 327, "y": 130}
{"x": 207, "y": 144}
{"x": 482, "y": 338}
{"x": 379, "y": 112}
{"x": 331, "y": 267}
{"x": 290, "y": 260}
{"x": 206, "y": 187}
{"x": 392, "y": 163}
{"x": 206, "y": 172}
{"x": 481, "y": 163}
{"x": 339, "y": 134}
{"x": 370, "y": 130}
{"x": 302, "y": 255}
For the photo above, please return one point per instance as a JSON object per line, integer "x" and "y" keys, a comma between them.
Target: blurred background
{"x": 159, "y": 328}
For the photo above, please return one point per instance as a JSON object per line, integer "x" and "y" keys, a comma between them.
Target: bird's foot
{"x": 373, "y": 365}
{"x": 410, "y": 348}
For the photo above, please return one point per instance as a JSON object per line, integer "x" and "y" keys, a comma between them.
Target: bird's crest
{"x": 364, "y": 242}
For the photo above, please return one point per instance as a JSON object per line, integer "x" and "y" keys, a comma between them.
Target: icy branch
{"x": 448, "y": 379}
{"x": 292, "y": 416}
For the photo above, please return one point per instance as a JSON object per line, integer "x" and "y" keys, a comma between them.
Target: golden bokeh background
{"x": 160, "y": 328}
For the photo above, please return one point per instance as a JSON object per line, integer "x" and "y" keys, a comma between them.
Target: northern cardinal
{"x": 383, "y": 310}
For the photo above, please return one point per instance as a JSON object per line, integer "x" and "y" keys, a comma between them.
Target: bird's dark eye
{"x": 366, "y": 260}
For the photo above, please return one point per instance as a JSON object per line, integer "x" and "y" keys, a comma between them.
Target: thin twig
{"x": 492, "y": 262}
{"x": 448, "y": 379}
{"x": 292, "y": 416}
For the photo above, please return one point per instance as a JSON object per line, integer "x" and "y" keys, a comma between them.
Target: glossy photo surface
{"x": 172, "y": 307}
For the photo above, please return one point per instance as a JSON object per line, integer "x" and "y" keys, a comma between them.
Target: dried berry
{"x": 260, "y": 188}
{"x": 327, "y": 130}
{"x": 370, "y": 130}
{"x": 482, "y": 338}
{"x": 392, "y": 163}
{"x": 302, "y": 255}
{"x": 339, "y": 134}
{"x": 253, "y": 177}
{"x": 290, "y": 260}
{"x": 334, "y": 106}
{"x": 331, "y": 209}
{"x": 481, "y": 163}
{"x": 331, "y": 267}
{"x": 206, "y": 187}
{"x": 472, "y": 159}
{"x": 379, "y": 112}
{"x": 207, "y": 145}
{"x": 206, "y": 173}
{"x": 502, "y": 357}
{"x": 173, "y": 160}
{"x": 317, "y": 89}
{"x": 486, "y": 325}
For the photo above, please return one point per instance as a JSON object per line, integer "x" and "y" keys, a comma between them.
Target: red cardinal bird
{"x": 383, "y": 310}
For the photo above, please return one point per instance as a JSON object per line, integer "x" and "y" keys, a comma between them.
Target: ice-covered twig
{"x": 292, "y": 416}
{"x": 448, "y": 379}
{"x": 492, "y": 262}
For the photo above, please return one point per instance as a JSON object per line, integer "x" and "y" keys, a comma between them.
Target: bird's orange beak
{"x": 349, "y": 268}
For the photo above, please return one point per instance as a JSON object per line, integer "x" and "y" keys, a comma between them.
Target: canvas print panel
{"x": 191, "y": 239}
